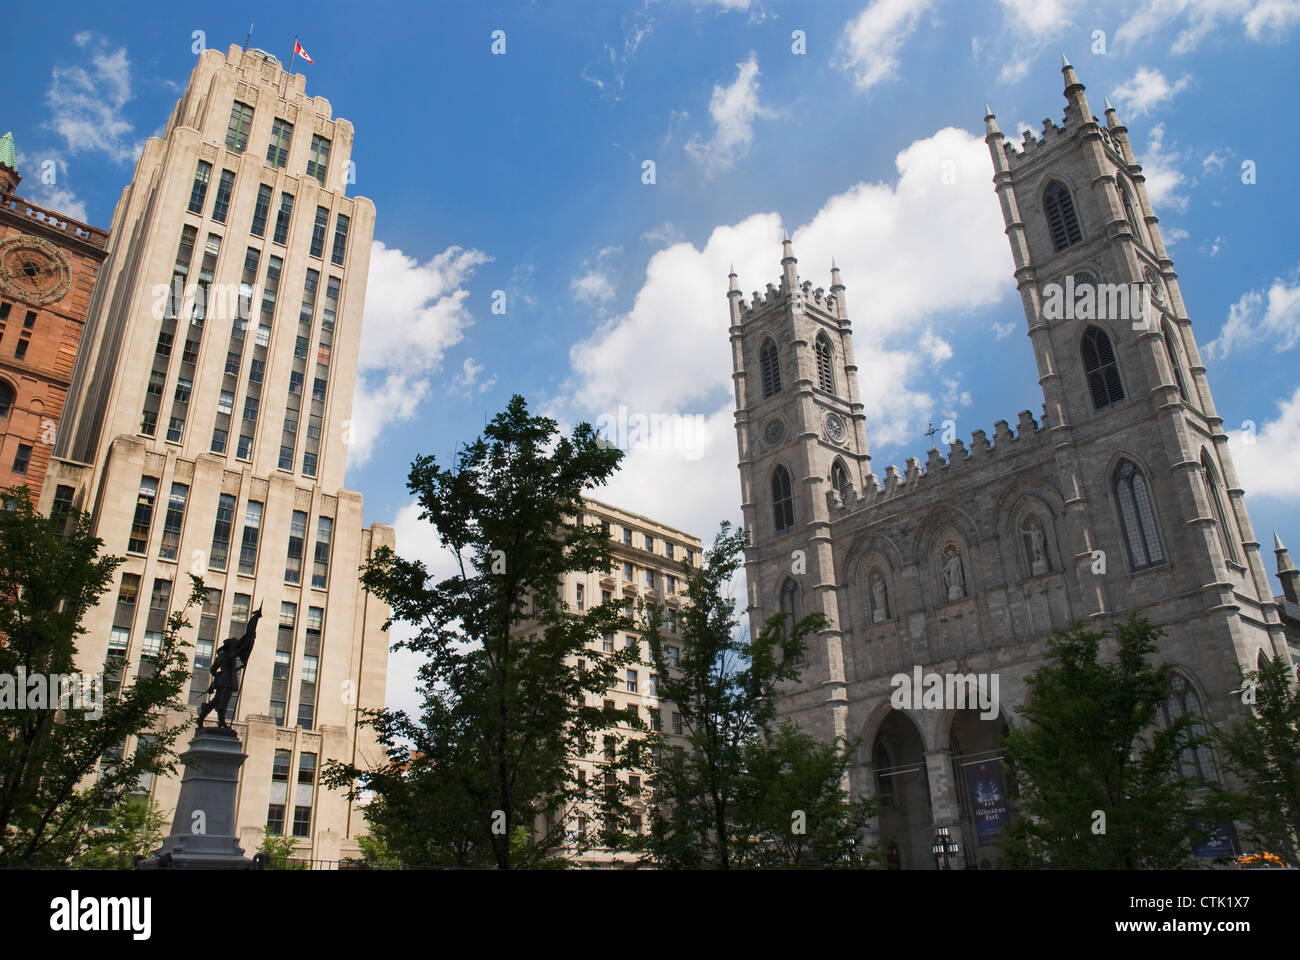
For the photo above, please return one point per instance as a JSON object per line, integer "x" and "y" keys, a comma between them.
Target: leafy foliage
{"x": 1263, "y": 749}
{"x": 1094, "y": 744}
{"x": 51, "y": 780}
{"x": 503, "y": 710}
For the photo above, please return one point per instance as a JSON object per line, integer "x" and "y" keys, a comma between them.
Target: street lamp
{"x": 943, "y": 846}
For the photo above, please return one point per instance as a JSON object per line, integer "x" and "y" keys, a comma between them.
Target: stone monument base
{"x": 203, "y": 830}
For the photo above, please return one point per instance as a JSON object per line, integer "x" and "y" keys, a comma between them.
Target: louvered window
{"x": 1062, "y": 221}
{"x": 840, "y": 479}
{"x": 782, "y": 500}
{"x": 825, "y": 378}
{"x": 771, "y": 367}
{"x": 1100, "y": 368}
{"x": 1137, "y": 517}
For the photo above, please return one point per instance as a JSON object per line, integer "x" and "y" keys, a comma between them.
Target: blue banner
{"x": 988, "y": 798}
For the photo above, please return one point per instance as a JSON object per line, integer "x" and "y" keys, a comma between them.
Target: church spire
{"x": 8, "y": 164}
{"x": 1286, "y": 571}
{"x": 789, "y": 275}
{"x": 1074, "y": 93}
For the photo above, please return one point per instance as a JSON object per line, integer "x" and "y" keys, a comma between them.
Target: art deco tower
{"x": 207, "y": 423}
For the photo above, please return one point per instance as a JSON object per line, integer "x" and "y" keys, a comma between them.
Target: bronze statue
{"x": 227, "y": 671}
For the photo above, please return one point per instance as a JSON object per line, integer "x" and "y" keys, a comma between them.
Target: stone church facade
{"x": 1122, "y": 497}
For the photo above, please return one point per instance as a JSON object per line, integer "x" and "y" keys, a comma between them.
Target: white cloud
{"x": 592, "y": 287}
{"x": 413, "y": 313}
{"x": 1261, "y": 20}
{"x": 733, "y": 110}
{"x": 871, "y": 40}
{"x": 1270, "y": 466}
{"x": 1163, "y": 178}
{"x": 663, "y": 235}
{"x": 1175, "y": 234}
{"x": 1271, "y": 316}
{"x": 936, "y": 348}
{"x": 1030, "y": 24}
{"x": 86, "y": 105}
{"x": 1002, "y": 330}
{"x": 56, "y": 196}
{"x": 1270, "y": 18}
{"x": 670, "y": 353}
{"x": 1147, "y": 90}
{"x": 1215, "y": 160}
{"x": 467, "y": 382}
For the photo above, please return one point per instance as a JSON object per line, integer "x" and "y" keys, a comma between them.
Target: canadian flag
{"x": 298, "y": 51}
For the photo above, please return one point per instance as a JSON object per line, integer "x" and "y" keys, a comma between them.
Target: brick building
{"x": 48, "y": 265}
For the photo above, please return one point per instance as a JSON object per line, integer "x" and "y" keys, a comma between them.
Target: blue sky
{"x": 522, "y": 172}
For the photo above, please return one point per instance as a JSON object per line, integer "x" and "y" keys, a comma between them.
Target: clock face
{"x": 834, "y": 427}
{"x": 33, "y": 269}
{"x": 773, "y": 432}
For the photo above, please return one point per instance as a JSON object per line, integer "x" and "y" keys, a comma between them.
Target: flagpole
{"x": 293, "y": 55}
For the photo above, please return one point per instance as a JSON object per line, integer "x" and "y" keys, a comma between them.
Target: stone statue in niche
{"x": 954, "y": 576}
{"x": 1036, "y": 542}
{"x": 879, "y": 599}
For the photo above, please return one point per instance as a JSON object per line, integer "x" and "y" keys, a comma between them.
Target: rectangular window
{"x": 172, "y": 522}
{"x": 241, "y": 118}
{"x": 629, "y": 641}
{"x": 321, "y": 564}
{"x": 628, "y": 572}
{"x": 581, "y": 597}
{"x": 677, "y": 723}
{"x": 143, "y": 515}
{"x": 668, "y": 549}
{"x": 654, "y": 685}
{"x": 226, "y": 401}
{"x": 219, "y": 438}
{"x": 674, "y": 655}
{"x": 277, "y": 151}
{"x": 260, "y": 211}
{"x": 690, "y": 558}
{"x": 607, "y": 643}
{"x": 649, "y": 543}
{"x": 20, "y": 350}
{"x": 282, "y": 219}
{"x": 22, "y": 458}
{"x": 245, "y": 449}
{"x": 221, "y": 205}
{"x": 627, "y": 536}
{"x": 62, "y": 504}
{"x": 319, "y": 160}
{"x": 252, "y": 529}
{"x": 340, "y": 240}
{"x": 650, "y": 579}
{"x": 631, "y": 681}
{"x": 221, "y": 532}
{"x": 318, "y": 231}
{"x": 297, "y": 534}
{"x": 199, "y": 192}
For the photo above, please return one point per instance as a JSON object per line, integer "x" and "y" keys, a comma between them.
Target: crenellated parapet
{"x": 960, "y": 461}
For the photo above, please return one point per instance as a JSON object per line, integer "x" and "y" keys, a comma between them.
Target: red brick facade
{"x": 48, "y": 265}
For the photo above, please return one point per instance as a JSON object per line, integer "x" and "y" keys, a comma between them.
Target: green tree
{"x": 792, "y": 806}
{"x": 52, "y": 781}
{"x": 1263, "y": 750}
{"x": 280, "y": 849}
{"x": 1098, "y": 772}
{"x": 134, "y": 829}
{"x": 724, "y": 686}
{"x": 503, "y": 697}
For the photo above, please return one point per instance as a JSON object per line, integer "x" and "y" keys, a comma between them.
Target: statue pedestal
{"x": 203, "y": 831}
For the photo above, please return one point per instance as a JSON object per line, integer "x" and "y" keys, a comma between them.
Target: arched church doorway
{"x": 983, "y": 783}
{"x": 899, "y": 772}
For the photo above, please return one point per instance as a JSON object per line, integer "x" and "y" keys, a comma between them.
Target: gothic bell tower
{"x": 1148, "y": 479}
{"x": 802, "y": 439}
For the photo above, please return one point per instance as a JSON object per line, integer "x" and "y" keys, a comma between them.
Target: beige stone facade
{"x": 647, "y": 558}
{"x": 1121, "y": 497}
{"x": 207, "y": 424}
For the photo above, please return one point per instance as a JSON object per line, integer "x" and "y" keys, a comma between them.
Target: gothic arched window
{"x": 1182, "y": 699}
{"x": 1134, "y": 223}
{"x": 1062, "y": 221}
{"x": 770, "y": 365}
{"x": 825, "y": 371}
{"x": 1137, "y": 517}
{"x": 1100, "y": 368}
{"x": 793, "y": 610}
{"x": 6, "y": 399}
{"x": 1226, "y": 538}
{"x": 840, "y": 479}
{"x": 1175, "y": 361}
{"x": 782, "y": 500}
